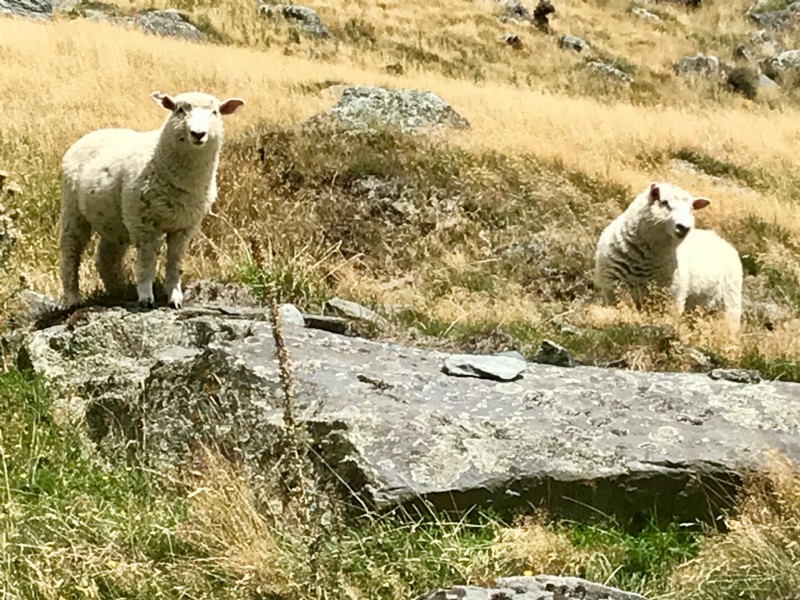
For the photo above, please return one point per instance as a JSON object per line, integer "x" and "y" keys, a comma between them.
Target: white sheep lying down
{"x": 134, "y": 188}
{"x": 654, "y": 241}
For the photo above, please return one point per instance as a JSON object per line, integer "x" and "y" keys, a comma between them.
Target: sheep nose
{"x": 197, "y": 135}
{"x": 681, "y": 230}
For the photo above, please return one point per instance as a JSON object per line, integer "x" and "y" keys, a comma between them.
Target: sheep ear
{"x": 163, "y": 100}
{"x": 655, "y": 193}
{"x": 230, "y": 106}
{"x": 699, "y": 203}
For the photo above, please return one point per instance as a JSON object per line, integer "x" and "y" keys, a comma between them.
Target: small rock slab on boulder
{"x": 698, "y": 64}
{"x": 498, "y": 368}
{"x": 399, "y": 431}
{"x": 539, "y": 587}
{"x": 355, "y": 311}
{"x": 550, "y": 353}
{"x": 513, "y": 40}
{"x": 305, "y": 18}
{"x": 363, "y": 107}
{"x": 736, "y": 375}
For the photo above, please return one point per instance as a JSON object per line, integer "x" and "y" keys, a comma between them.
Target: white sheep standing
{"x": 654, "y": 241}
{"x": 135, "y": 187}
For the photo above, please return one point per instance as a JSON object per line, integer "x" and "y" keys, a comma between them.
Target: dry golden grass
{"x": 224, "y": 523}
{"x": 534, "y": 546}
{"x": 758, "y": 556}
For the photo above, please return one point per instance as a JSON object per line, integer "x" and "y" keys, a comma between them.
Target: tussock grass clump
{"x": 72, "y": 525}
{"x": 758, "y": 556}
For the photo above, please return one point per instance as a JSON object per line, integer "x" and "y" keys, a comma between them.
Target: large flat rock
{"x": 400, "y": 430}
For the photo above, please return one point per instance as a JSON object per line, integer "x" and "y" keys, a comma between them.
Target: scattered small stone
{"x": 394, "y": 69}
{"x": 550, "y": 353}
{"x": 698, "y": 64}
{"x": 514, "y": 9}
{"x": 353, "y": 310}
{"x": 513, "y": 41}
{"x": 500, "y": 368}
{"x": 573, "y": 42}
{"x": 645, "y": 14}
{"x": 609, "y": 71}
{"x": 736, "y": 375}
{"x": 785, "y": 62}
{"x": 363, "y": 107}
{"x": 306, "y": 18}
{"x": 541, "y": 15}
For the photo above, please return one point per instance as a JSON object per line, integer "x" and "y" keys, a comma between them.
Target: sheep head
{"x": 673, "y": 208}
{"x": 196, "y": 118}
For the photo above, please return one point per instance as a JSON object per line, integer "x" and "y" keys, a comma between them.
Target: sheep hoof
{"x": 71, "y": 300}
{"x": 176, "y": 298}
{"x": 146, "y": 304}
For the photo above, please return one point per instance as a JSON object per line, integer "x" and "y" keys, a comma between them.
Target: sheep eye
{"x": 215, "y": 113}
{"x": 665, "y": 203}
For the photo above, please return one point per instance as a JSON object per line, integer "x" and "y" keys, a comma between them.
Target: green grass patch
{"x": 783, "y": 368}
{"x": 723, "y": 168}
{"x": 70, "y": 519}
{"x": 645, "y": 559}
{"x": 289, "y": 281}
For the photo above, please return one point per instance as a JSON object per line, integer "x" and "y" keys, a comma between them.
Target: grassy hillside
{"x": 480, "y": 239}
{"x": 553, "y": 154}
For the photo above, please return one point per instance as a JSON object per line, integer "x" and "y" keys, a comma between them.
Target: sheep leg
{"x": 109, "y": 263}
{"x": 75, "y": 234}
{"x": 146, "y": 250}
{"x": 176, "y": 247}
{"x": 733, "y": 314}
